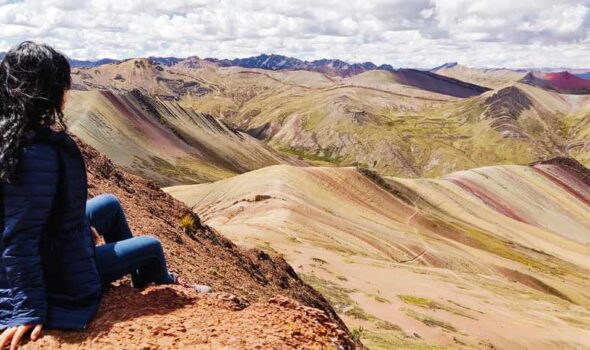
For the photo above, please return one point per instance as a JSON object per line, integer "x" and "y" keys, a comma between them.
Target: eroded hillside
{"x": 398, "y": 122}
{"x": 161, "y": 140}
{"x": 490, "y": 258}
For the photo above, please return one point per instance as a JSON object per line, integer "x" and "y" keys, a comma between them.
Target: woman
{"x": 51, "y": 271}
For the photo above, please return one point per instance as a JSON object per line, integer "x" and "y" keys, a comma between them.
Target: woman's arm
{"x": 27, "y": 206}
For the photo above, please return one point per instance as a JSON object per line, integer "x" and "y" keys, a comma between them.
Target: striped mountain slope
{"x": 496, "y": 255}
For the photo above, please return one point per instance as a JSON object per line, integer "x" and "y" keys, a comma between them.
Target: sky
{"x": 410, "y": 33}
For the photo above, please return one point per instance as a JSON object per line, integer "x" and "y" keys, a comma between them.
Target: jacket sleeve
{"x": 27, "y": 206}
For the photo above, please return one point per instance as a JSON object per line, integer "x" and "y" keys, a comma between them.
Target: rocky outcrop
{"x": 504, "y": 108}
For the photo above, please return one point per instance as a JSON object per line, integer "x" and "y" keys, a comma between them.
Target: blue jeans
{"x": 123, "y": 254}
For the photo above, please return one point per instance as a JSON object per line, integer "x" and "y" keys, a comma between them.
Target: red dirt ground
{"x": 163, "y": 317}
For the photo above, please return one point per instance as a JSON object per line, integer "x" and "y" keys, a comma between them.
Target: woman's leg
{"x": 108, "y": 218}
{"x": 142, "y": 257}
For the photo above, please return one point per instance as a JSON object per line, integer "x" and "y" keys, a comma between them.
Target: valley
{"x": 442, "y": 209}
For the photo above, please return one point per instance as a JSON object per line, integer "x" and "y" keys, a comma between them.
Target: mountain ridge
{"x": 278, "y": 62}
{"x": 324, "y": 65}
{"x": 402, "y": 122}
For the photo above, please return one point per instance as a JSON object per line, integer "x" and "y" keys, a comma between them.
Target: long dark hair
{"x": 33, "y": 81}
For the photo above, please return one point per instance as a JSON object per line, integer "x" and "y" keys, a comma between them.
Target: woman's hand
{"x": 95, "y": 235}
{"x": 16, "y": 334}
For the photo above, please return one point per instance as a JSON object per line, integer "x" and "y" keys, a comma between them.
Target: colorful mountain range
{"x": 433, "y": 209}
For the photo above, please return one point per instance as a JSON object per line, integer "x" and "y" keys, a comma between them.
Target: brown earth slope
{"x": 259, "y": 302}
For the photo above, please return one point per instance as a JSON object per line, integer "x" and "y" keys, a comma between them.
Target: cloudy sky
{"x": 408, "y": 33}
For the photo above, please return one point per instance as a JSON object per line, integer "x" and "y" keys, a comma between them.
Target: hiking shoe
{"x": 199, "y": 288}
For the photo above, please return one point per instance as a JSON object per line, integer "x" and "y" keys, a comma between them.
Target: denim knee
{"x": 151, "y": 245}
{"x": 109, "y": 200}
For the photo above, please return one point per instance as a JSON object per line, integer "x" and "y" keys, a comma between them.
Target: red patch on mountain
{"x": 567, "y": 81}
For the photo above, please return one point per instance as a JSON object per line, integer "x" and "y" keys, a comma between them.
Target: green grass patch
{"x": 358, "y": 313}
{"x": 319, "y": 261}
{"x": 267, "y": 247}
{"x": 429, "y": 320}
{"x": 387, "y": 326}
{"x": 426, "y": 303}
{"x": 337, "y": 296}
{"x": 419, "y": 301}
{"x": 380, "y": 299}
{"x": 357, "y": 333}
{"x": 397, "y": 341}
{"x": 317, "y": 159}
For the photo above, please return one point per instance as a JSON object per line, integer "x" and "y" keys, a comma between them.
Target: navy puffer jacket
{"x": 48, "y": 274}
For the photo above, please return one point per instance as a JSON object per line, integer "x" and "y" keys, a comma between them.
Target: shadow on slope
{"x": 438, "y": 83}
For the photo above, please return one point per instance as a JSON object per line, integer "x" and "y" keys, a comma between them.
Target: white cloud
{"x": 518, "y": 22}
{"x": 399, "y": 32}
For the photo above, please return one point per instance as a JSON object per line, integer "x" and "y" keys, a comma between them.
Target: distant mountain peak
{"x": 563, "y": 82}
{"x": 264, "y": 61}
{"x": 446, "y": 65}
{"x": 279, "y": 62}
{"x": 166, "y": 61}
{"x": 194, "y": 62}
{"x": 560, "y": 75}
